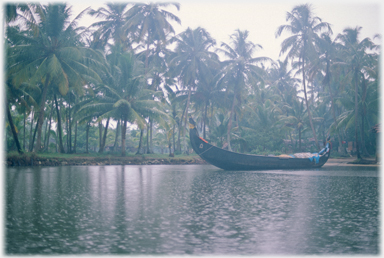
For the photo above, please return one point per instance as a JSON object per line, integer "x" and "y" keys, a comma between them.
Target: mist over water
{"x": 193, "y": 209}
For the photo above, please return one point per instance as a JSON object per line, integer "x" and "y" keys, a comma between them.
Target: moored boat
{"x": 229, "y": 160}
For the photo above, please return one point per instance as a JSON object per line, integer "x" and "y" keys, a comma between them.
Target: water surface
{"x": 191, "y": 209}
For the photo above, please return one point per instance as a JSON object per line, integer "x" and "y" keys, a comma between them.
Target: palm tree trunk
{"x": 102, "y": 146}
{"x": 100, "y": 134}
{"x": 87, "y": 137}
{"x": 24, "y": 132}
{"x": 30, "y": 130}
{"x": 356, "y": 116}
{"x": 173, "y": 137}
{"x": 75, "y": 143}
{"x": 299, "y": 140}
{"x": 148, "y": 125}
{"x": 13, "y": 130}
{"x": 186, "y": 120}
{"x": 363, "y": 147}
{"x": 343, "y": 152}
{"x": 46, "y": 140}
{"x": 290, "y": 137}
{"x": 363, "y": 114}
{"x": 140, "y": 141}
{"x": 46, "y": 144}
{"x": 69, "y": 128}
{"x": 306, "y": 104}
{"x": 45, "y": 131}
{"x": 123, "y": 134}
{"x": 59, "y": 129}
{"x": 150, "y": 136}
{"x": 205, "y": 118}
{"x": 180, "y": 126}
{"x": 117, "y": 135}
{"x": 34, "y": 136}
{"x": 66, "y": 129}
{"x": 40, "y": 119}
{"x": 230, "y": 123}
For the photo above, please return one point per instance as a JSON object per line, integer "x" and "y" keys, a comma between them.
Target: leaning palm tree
{"x": 305, "y": 28}
{"x": 240, "y": 70}
{"x": 10, "y": 119}
{"x": 53, "y": 58}
{"x": 22, "y": 96}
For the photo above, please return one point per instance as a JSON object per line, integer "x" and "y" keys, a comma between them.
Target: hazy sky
{"x": 262, "y": 18}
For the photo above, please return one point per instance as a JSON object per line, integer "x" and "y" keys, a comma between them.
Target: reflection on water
{"x": 194, "y": 209}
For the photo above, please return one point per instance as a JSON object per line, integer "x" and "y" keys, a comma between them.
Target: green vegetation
{"x": 127, "y": 85}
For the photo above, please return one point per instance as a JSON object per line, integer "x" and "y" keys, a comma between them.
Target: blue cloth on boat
{"x": 322, "y": 151}
{"x": 316, "y": 157}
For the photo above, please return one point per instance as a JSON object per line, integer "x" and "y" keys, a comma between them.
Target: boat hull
{"x": 229, "y": 160}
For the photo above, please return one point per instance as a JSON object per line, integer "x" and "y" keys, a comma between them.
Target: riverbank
{"x": 351, "y": 162}
{"x": 32, "y": 159}
{"x": 87, "y": 160}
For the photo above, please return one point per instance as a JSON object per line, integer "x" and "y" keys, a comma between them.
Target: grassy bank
{"x": 57, "y": 159}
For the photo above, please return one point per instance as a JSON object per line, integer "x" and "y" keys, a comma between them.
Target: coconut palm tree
{"x": 192, "y": 62}
{"x": 282, "y": 82}
{"x": 207, "y": 93}
{"x": 295, "y": 119}
{"x": 24, "y": 14}
{"x": 52, "y": 58}
{"x": 113, "y": 26}
{"x": 302, "y": 44}
{"x": 151, "y": 25}
{"x": 327, "y": 64}
{"x": 121, "y": 95}
{"x": 240, "y": 70}
{"x": 358, "y": 61}
{"x": 22, "y": 96}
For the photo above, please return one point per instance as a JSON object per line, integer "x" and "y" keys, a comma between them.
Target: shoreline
{"x": 36, "y": 160}
{"x": 349, "y": 162}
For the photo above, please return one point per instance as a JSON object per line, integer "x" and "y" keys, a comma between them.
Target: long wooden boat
{"x": 229, "y": 160}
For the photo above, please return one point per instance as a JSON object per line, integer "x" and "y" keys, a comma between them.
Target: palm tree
{"x": 302, "y": 44}
{"x": 24, "y": 14}
{"x": 192, "y": 62}
{"x": 358, "y": 62}
{"x": 121, "y": 95}
{"x": 281, "y": 81}
{"x": 327, "y": 65}
{"x": 113, "y": 26}
{"x": 207, "y": 93}
{"x": 295, "y": 119}
{"x": 22, "y": 96}
{"x": 151, "y": 25}
{"x": 13, "y": 129}
{"x": 52, "y": 58}
{"x": 240, "y": 71}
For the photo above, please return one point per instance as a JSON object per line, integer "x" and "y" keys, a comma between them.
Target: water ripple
{"x": 190, "y": 210}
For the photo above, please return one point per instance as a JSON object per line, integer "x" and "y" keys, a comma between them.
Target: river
{"x": 191, "y": 209}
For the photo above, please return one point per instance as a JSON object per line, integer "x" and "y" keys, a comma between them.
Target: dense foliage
{"x": 129, "y": 84}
